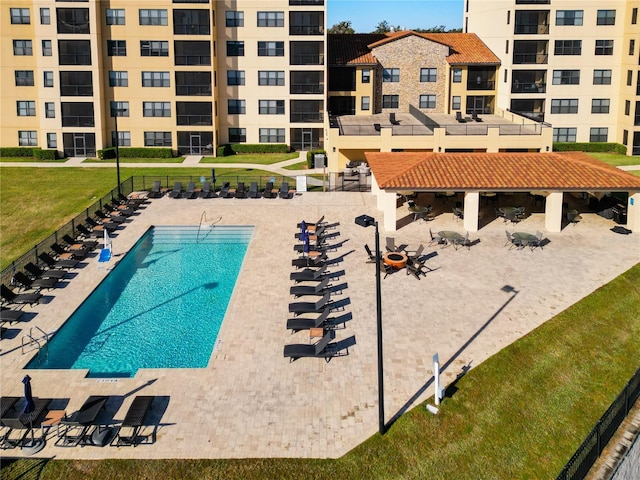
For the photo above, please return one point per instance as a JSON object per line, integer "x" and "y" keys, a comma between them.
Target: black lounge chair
{"x": 89, "y": 244}
{"x": 459, "y": 117}
{"x": 38, "y": 272}
{"x": 115, "y": 205}
{"x": 191, "y": 191}
{"x": 284, "y": 190}
{"x": 14, "y": 420}
{"x": 11, "y": 316}
{"x": 322, "y": 349}
{"x": 253, "y": 190}
{"x": 99, "y": 227}
{"x": 206, "y": 191}
{"x": 299, "y": 308}
{"x": 268, "y": 191}
{"x": 322, "y": 321}
{"x": 66, "y": 254}
{"x": 308, "y": 274}
{"x": 309, "y": 261}
{"x": 110, "y": 217}
{"x": 53, "y": 263}
{"x": 224, "y": 191}
{"x": 320, "y": 288}
{"x": 86, "y": 232}
{"x": 134, "y": 419}
{"x": 37, "y": 284}
{"x": 77, "y": 427}
{"x": 240, "y": 191}
{"x": 6, "y": 404}
{"x": 177, "y": 190}
{"x": 131, "y": 202}
{"x": 156, "y": 191}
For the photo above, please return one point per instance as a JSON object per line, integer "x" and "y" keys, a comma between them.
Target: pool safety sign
{"x": 301, "y": 183}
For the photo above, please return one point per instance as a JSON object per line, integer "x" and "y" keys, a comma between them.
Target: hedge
{"x": 602, "y": 147}
{"x": 310, "y": 155}
{"x": 45, "y": 154}
{"x": 232, "y": 149}
{"x": 17, "y": 152}
{"x": 126, "y": 152}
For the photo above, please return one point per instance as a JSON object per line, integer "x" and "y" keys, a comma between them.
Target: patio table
{"x": 419, "y": 211}
{"x": 509, "y": 210}
{"x": 450, "y": 237}
{"x": 525, "y": 238}
{"x": 396, "y": 260}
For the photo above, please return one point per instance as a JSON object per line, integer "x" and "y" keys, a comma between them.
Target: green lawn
{"x": 520, "y": 414}
{"x": 262, "y": 158}
{"x": 616, "y": 159}
{"x": 297, "y": 166}
{"x": 31, "y": 160}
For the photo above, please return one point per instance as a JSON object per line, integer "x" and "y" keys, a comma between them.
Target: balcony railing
{"x": 531, "y": 29}
{"x": 194, "y": 120}
{"x": 528, "y": 87}
{"x": 315, "y": 117}
{"x": 193, "y": 59}
{"x": 76, "y": 90}
{"x": 306, "y": 30}
{"x": 530, "y": 58}
{"x": 78, "y": 121}
{"x": 74, "y": 59}
{"x": 193, "y": 90}
{"x": 482, "y": 85}
{"x": 180, "y": 29}
{"x": 455, "y": 129}
{"x": 307, "y": 88}
{"x": 307, "y": 59}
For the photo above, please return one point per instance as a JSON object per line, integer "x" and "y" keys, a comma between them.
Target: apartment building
{"x": 571, "y": 63}
{"x": 185, "y": 74}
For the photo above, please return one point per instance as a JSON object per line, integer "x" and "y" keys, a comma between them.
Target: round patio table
{"x": 525, "y": 238}
{"x": 396, "y": 260}
{"x": 449, "y": 236}
{"x": 509, "y": 210}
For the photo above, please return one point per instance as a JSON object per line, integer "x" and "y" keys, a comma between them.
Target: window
{"x": 456, "y": 102}
{"x": 271, "y": 19}
{"x": 272, "y": 135}
{"x": 602, "y": 77}
{"x": 598, "y": 134}
{"x": 632, "y": 46}
{"x": 154, "y": 48}
{"x": 22, "y": 47}
{"x": 27, "y": 138}
{"x": 24, "y": 78}
{"x": 191, "y": 22}
{"x": 634, "y": 16}
{"x": 120, "y": 109}
{"x": 73, "y": 20}
{"x": 237, "y": 135}
{"x": 565, "y": 105}
{"x": 604, "y": 47}
{"x": 271, "y": 49}
{"x": 566, "y": 77}
{"x": 49, "y": 110}
{"x": 271, "y": 78}
{"x": 156, "y": 109}
{"x": 48, "y": 79}
{"x": 629, "y": 77}
{"x": 118, "y": 79}
{"x": 115, "y": 16}
{"x": 569, "y": 17}
{"x": 26, "y": 108}
{"x": 606, "y": 17}
{"x": 234, "y": 19}
{"x": 627, "y": 107}
{"x": 153, "y": 17}
{"x": 155, "y": 79}
{"x": 391, "y": 75}
{"x": 428, "y": 74}
{"x": 457, "y": 75}
{"x": 45, "y": 16}
{"x": 390, "y": 101}
{"x": 157, "y": 139}
{"x": 124, "y": 139}
{"x": 366, "y": 76}
{"x": 236, "y": 107}
{"x": 567, "y": 134}
{"x": 625, "y": 137}
{"x": 116, "y": 48}
{"x": 192, "y": 52}
{"x": 271, "y": 107}
{"x": 600, "y": 105}
{"x": 427, "y": 101}
{"x": 52, "y": 140}
{"x": 365, "y": 103}
{"x": 20, "y": 16}
{"x": 47, "y": 48}
{"x": 74, "y": 52}
{"x": 235, "y": 48}
{"x": 76, "y": 83}
{"x": 235, "y": 77}
{"x": 568, "y": 47}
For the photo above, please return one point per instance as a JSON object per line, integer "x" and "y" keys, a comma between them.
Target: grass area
{"x": 137, "y": 160}
{"x": 58, "y": 194}
{"x": 298, "y": 166}
{"x": 31, "y": 160}
{"x": 616, "y": 159}
{"x": 520, "y": 414}
{"x": 261, "y": 158}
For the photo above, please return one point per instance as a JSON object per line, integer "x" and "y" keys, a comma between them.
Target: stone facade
{"x": 410, "y": 54}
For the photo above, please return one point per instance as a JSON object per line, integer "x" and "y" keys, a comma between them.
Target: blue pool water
{"x": 161, "y": 307}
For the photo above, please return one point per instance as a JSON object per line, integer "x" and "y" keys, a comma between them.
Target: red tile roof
{"x": 352, "y": 49}
{"x": 567, "y": 171}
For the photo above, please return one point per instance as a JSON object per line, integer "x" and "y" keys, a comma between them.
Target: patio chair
{"x": 537, "y": 242}
{"x": 462, "y": 242}
{"x": 372, "y": 257}
{"x": 268, "y": 191}
{"x": 320, "y": 288}
{"x": 241, "y": 191}
{"x": 134, "y": 419}
{"x": 414, "y": 267}
{"x": 134, "y": 203}
{"x": 284, "y": 191}
{"x": 573, "y": 217}
{"x": 77, "y": 426}
{"x": 459, "y": 118}
{"x": 190, "y": 192}
{"x": 322, "y": 321}
{"x": 435, "y": 239}
{"x": 116, "y": 205}
{"x": 9, "y": 296}
{"x": 253, "y": 190}
{"x": 177, "y": 190}
{"x": 225, "y": 190}
{"x": 458, "y": 213}
{"x": 322, "y": 349}
{"x": 97, "y": 226}
{"x": 512, "y": 242}
{"x": 499, "y": 214}
{"x": 309, "y": 274}
{"x": 87, "y": 244}
{"x": 299, "y": 308}
{"x": 37, "y": 284}
{"x": 156, "y": 191}
{"x": 53, "y": 263}
{"x": 307, "y": 262}
{"x": 15, "y": 420}
{"x": 206, "y": 191}
{"x": 66, "y": 254}
{"x": 85, "y": 232}
{"x": 392, "y": 119}
{"x": 387, "y": 269}
{"x": 111, "y": 217}
{"x": 10, "y": 316}
{"x": 38, "y": 272}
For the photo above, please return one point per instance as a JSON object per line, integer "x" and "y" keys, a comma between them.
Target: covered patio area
{"x": 469, "y": 185}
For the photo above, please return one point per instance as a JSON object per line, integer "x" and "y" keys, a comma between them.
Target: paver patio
{"x": 251, "y": 402}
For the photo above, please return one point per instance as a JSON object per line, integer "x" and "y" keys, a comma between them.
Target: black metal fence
{"x": 586, "y": 455}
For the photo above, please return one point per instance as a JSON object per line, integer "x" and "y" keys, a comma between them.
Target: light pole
{"x": 116, "y": 114}
{"x": 366, "y": 221}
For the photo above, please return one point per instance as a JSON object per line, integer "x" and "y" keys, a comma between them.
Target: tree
{"x": 438, "y": 29}
{"x": 384, "y": 27}
{"x": 342, "y": 27}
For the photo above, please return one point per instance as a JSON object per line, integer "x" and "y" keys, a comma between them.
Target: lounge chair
{"x": 459, "y": 117}
{"x": 253, "y": 190}
{"x": 240, "y": 191}
{"x": 38, "y": 272}
{"x": 321, "y": 321}
{"x": 10, "y": 296}
{"x": 66, "y": 254}
{"x": 313, "y": 226}
{"x": 284, "y": 190}
{"x": 309, "y": 274}
{"x": 177, "y": 190}
{"x": 298, "y": 308}
{"x": 53, "y": 263}
{"x": 111, "y": 217}
{"x": 131, "y": 202}
{"x": 11, "y": 316}
{"x": 86, "y": 232}
{"x": 156, "y": 191}
{"x": 101, "y": 226}
{"x": 191, "y": 191}
{"x": 322, "y": 349}
{"x": 134, "y": 419}
{"x": 309, "y": 261}
{"x": 88, "y": 244}
{"x": 224, "y": 191}
{"x": 77, "y": 426}
{"x": 206, "y": 191}
{"x": 268, "y": 191}
{"x": 116, "y": 205}
{"x": 320, "y": 288}
{"x": 14, "y": 420}
{"x": 37, "y": 284}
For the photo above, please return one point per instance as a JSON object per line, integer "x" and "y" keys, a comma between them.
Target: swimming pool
{"x": 162, "y": 306}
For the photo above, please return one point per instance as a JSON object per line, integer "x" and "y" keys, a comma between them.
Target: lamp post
{"x": 366, "y": 221}
{"x": 116, "y": 114}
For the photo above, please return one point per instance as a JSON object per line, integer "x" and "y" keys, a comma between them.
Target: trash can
{"x": 620, "y": 214}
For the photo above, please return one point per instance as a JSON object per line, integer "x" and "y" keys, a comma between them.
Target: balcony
{"x": 528, "y": 87}
{"x": 531, "y": 22}
{"x": 530, "y": 58}
{"x": 306, "y": 30}
{"x": 306, "y": 88}
{"x": 308, "y": 117}
{"x": 481, "y": 85}
{"x": 194, "y": 90}
{"x": 194, "y": 120}
{"x": 530, "y": 52}
{"x": 528, "y": 81}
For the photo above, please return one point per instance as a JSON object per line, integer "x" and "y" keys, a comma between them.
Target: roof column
{"x": 633, "y": 211}
{"x": 387, "y": 203}
{"x": 471, "y": 211}
{"x": 553, "y": 212}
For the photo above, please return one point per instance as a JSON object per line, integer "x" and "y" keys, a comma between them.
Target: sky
{"x": 365, "y": 15}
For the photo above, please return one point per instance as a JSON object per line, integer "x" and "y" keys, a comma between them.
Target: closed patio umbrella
{"x": 28, "y": 395}
{"x": 28, "y": 413}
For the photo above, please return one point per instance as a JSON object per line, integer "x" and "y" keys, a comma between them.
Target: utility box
{"x": 620, "y": 214}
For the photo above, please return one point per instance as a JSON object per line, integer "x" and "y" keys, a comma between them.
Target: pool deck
{"x": 251, "y": 401}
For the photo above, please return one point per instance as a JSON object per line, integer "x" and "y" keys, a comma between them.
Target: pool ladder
{"x": 42, "y": 342}
{"x": 203, "y": 217}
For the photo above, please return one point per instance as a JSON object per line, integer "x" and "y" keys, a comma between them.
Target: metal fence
{"x": 586, "y": 455}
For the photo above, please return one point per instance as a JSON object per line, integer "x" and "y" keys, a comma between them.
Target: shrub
{"x": 310, "y": 156}
{"x": 45, "y": 154}
{"x": 144, "y": 152}
{"x": 260, "y": 148}
{"x": 601, "y": 147}
{"x": 225, "y": 151}
{"x": 17, "y": 152}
